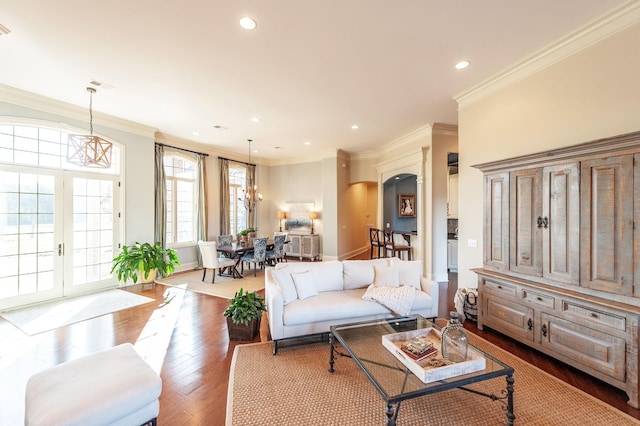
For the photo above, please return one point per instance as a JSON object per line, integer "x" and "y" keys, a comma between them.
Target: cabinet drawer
{"x": 602, "y": 318}
{"x": 538, "y": 299}
{"x": 499, "y": 288}
{"x": 591, "y": 348}
{"x": 508, "y": 317}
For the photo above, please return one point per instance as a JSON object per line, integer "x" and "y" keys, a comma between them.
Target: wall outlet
{"x": 472, "y": 243}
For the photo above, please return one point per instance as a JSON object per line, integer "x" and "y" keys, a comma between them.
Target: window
{"x": 181, "y": 189}
{"x": 237, "y": 211}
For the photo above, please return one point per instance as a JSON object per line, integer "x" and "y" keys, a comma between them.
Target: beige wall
{"x": 592, "y": 94}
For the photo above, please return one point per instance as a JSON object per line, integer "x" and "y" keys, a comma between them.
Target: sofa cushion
{"x": 331, "y": 306}
{"x": 305, "y": 284}
{"x": 359, "y": 273}
{"x": 327, "y": 275}
{"x": 410, "y": 271}
{"x": 386, "y": 276}
{"x": 285, "y": 284}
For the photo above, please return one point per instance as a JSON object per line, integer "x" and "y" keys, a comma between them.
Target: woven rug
{"x": 294, "y": 388}
{"x": 225, "y": 287}
{"x": 49, "y": 316}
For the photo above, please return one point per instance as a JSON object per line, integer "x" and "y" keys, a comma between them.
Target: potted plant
{"x": 144, "y": 261}
{"x": 244, "y": 314}
{"x": 249, "y": 232}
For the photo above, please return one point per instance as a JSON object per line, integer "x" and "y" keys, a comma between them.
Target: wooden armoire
{"x": 561, "y": 269}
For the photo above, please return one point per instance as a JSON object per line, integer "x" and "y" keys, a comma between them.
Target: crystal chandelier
{"x": 250, "y": 195}
{"x": 89, "y": 150}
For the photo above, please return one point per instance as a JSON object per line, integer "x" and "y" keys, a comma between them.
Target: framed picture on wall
{"x": 406, "y": 205}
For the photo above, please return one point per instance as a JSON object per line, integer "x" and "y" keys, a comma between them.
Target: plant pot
{"x": 150, "y": 278}
{"x": 241, "y": 331}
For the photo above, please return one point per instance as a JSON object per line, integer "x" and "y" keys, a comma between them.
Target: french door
{"x": 58, "y": 233}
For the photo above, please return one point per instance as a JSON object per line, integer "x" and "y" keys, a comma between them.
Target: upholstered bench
{"x": 115, "y": 387}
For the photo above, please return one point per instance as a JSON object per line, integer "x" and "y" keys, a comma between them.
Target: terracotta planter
{"x": 243, "y": 332}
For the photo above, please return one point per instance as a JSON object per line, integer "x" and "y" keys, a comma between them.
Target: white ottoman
{"x": 112, "y": 387}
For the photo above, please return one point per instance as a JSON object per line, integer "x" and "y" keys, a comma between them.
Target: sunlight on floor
{"x": 154, "y": 339}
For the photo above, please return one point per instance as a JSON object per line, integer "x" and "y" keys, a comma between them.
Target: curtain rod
{"x": 236, "y": 161}
{"x": 182, "y": 149}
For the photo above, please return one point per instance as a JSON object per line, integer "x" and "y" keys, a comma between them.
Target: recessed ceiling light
{"x": 462, "y": 65}
{"x": 355, "y": 127}
{"x": 248, "y": 23}
{"x": 196, "y": 133}
{"x": 255, "y": 119}
{"x": 307, "y": 143}
{"x": 4, "y": 30}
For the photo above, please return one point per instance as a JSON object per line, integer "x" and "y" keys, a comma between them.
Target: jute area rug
{"x": 225, "y": 287}
{"x": 49, "y": 316}
{"x": 294, "y": 388}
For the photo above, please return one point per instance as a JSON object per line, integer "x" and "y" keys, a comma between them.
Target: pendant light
{"x": 89, "y": 150}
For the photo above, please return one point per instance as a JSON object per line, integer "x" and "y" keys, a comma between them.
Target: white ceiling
{"x": 308, "y": 71}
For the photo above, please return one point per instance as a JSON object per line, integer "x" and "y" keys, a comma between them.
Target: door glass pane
{"x": 26, "y": 233}
{"x": 92, "y": 230}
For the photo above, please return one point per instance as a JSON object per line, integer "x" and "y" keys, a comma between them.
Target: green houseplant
{"x": 244, "y": 314}
{"x": 145, "y": 261}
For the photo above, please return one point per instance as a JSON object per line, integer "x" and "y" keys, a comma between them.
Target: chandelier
{"x": 89, "y": 150}
{"x": 250, "y": 195}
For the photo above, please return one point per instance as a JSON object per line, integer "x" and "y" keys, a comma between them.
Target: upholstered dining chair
{"x": 375, "y": 241}
{"x": 391, "y": 247}
{"x": 257, "y": 256}
{"x": 224, "y": 240}
{"x": 212, "y": 260}
{"x": 277, "y": 254}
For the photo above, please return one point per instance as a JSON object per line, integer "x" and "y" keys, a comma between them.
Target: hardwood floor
{"x": 186, "y": 341}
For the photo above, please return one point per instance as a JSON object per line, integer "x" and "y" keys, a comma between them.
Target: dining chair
{"x": 211, "y": 259}
{"x": 391, "y": 246}
{"x": 257, "y": 256}
{"x": 286, "y": 244}
{"x": 277, "y": 253}
{"x": 374, "y": 240}
{"x": 224, "y": 240}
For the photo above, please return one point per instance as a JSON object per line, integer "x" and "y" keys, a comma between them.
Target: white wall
{"x": 592, "y": 94}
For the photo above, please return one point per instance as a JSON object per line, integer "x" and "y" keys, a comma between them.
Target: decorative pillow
{"x": 305, "y": 285}
{"x": 285, "y": 284}
{"x": 410, "y": 271}
{"x": 386, "y": 276}
{"x": 359, "y": 273}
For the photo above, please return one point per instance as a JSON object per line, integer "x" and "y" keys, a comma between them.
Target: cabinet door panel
{"x": 496, "y": 232}
{"x": 561, "y": 239}
{"x": 508, "y": 317}
{"x": 607, "y": 224}
{"x": 526, "y": 234}
{"x": 594, "y": 349}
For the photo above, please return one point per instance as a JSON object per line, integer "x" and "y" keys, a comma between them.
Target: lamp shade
{"x": 313, "y": 215}
{"x": 282, "y": 215}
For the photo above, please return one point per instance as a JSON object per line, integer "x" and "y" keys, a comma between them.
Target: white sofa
{"x": 306, "y": 298}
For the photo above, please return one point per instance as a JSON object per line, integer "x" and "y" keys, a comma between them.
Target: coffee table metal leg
{"x": 331, "y": 353}
{"x": 392, "y": 414}
{"x": 510, "y": 416}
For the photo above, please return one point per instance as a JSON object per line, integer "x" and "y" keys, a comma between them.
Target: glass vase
{"x": 454, "y": 340}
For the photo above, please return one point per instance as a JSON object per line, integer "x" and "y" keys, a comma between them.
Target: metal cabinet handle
{"x": 544, "y": 330}
{"x": 539, "y": 299}
{"x": 594, "y": 315}
{"x": 530, "y": 324}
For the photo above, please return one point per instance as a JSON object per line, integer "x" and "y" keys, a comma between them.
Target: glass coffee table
{"x": 394, "y": 382}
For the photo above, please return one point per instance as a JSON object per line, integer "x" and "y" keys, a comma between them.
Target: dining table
{"x": 236, "y": 250}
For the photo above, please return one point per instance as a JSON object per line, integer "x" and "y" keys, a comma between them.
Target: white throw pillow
{"x": 305, "y": 285}
{"x": 386, "y": 276}
{"x": 410, "y": 271}
{"x": 285, "y": 284}
{"x": 359, "y": 273}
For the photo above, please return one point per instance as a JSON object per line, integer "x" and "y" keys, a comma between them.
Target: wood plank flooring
{"x": 187, "y": 342}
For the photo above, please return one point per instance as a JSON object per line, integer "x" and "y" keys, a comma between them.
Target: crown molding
{"x": 611, "y": 22}
{"x": 63, "y": 109}
{"x": 420, "y": 133}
